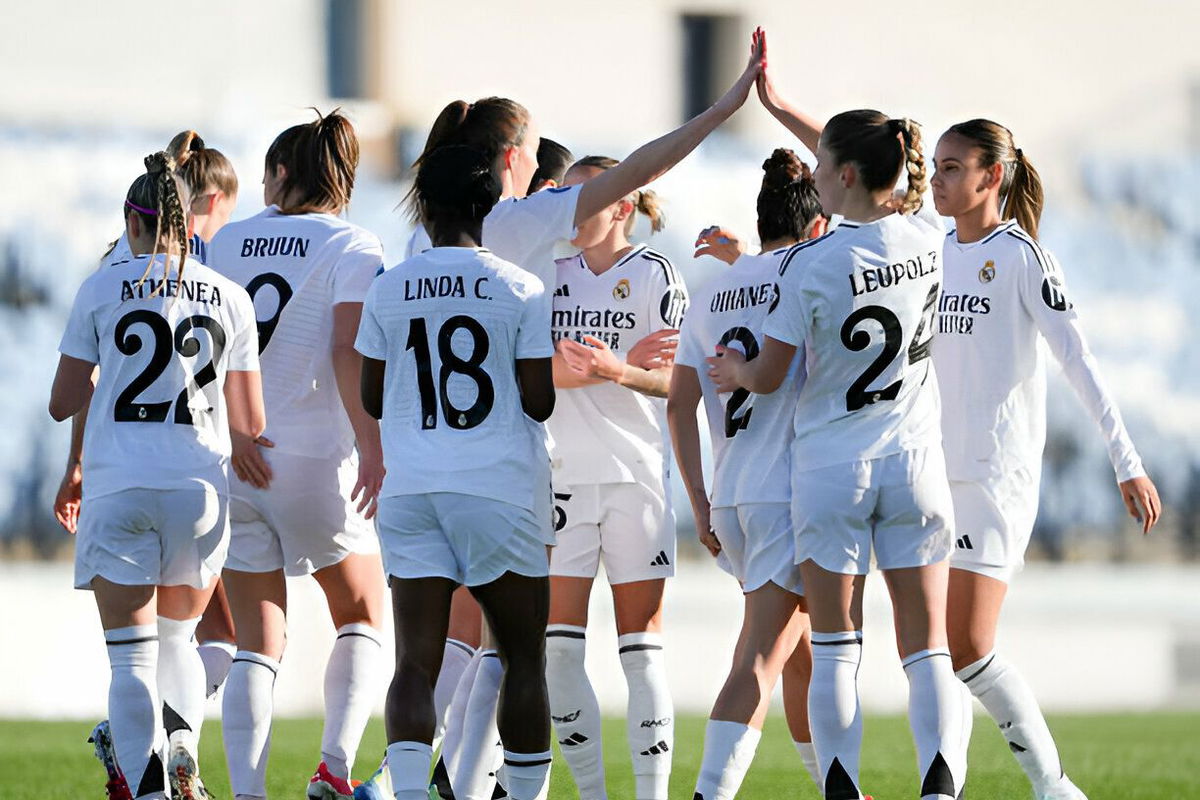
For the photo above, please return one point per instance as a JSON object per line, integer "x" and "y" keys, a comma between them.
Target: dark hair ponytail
{"x": 1021, "y": 190}
{"x": 321, "y": 158}
{"x": 553, "y": 160}
{"x": 456, "y": 186}
{"x": 787, "y": 201}
{"x": 491, "y": 126}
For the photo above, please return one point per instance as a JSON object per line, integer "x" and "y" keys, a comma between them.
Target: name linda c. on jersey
{"x": 442, "y": 286}
{"x": 891, "y": 275}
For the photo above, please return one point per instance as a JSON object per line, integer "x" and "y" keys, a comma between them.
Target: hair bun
{"x": 782, "y": 169}
{"x": 159, "y": 162}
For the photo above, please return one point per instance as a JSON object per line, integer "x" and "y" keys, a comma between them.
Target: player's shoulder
{"x": 1017, "y": 241}
{"x": 656, "y": 263}
{"x": 807, "y": 252}
{"x": 519, "y": 280}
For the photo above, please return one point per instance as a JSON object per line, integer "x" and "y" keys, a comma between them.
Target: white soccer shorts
{"x": 898, "y": 506}
{"x": 305, "y": 520}
{"x": 152, "y": 537}
{"x": 758, "y": 545}
{"x": 629, "y": 526}
{"x": 993, "y": 523}
{"x": 470, "y": 540}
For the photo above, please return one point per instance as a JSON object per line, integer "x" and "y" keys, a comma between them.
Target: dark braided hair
{"x": 158, "y": 198}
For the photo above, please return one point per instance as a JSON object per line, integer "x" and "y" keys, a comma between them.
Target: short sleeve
{"x": 371, "y": 341}
{"x": 357, "y": 268}
{"x": 533, "y": 335}
{"x": 81, "y": 339}
{"x": 690, "y": 352}
{"x": 241, "y": 353}
{"x": 786, "y": 322}
{"x": 515, "y": 229}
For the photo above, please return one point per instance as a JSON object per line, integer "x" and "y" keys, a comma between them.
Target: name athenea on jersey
{"x": 197, "y": 291}
{"x": 604, "y": 324}
{"x": 443, "y": 286}
{"x": 744, "y": 297}
{"x": 872, "y": 280}
{"x": 269, "y": 246}
{"x": 957, "y": 312}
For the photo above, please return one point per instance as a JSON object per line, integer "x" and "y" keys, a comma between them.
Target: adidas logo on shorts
{"x": 661, "y": 560}
{"x": 964, "y": 543}
{"x": 574, "y": 740}
{"x": 657, "y": 750}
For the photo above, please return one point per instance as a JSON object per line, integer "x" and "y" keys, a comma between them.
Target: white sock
{"x": 455, "y": 660}
{"x": 473, "y": 770}
{"x": 968, "y": 718}
{"x": 574, "y": 709}
{"x": 134, "y": 711}
{"x": 408, "y": 764}
{"x": 246, "y": 721}
{"x": 181, "y": 683}
{"x": 808, "y": 755}
{"x": 935, "y": 716}
{"x": 352, "y": 685}
{"x": 834, "y": 713}
{"x": 456, "y": 713}
{"x": 1010, "y": 702}
{"x": 217, "y": 658}
{"x": 728, "y": 751}
{"x": 650, "y": 717}
{"x": 526, "y": 773}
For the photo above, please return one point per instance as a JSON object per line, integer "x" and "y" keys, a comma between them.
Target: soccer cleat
{"x": 377, "y": 787}
{"x": 117, "y": 787}
{"x": 182, "y": 774}
{"x": 324, "y": 785}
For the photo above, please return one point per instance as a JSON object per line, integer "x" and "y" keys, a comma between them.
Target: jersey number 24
{"x": 856, "y": 339}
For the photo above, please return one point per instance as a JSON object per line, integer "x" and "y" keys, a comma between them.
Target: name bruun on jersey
{"x": 603, "y": 324}
{"x": 197, "y": 291}
{"x": 957, "y": 312}
{"x": 872, "y": 280}
{"x": 426, "y": 287}
{"x": 266, "y": 246}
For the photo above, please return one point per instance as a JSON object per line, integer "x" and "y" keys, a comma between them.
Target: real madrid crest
{"x": 621, "y": 290}
{"x": 987, "y": 272}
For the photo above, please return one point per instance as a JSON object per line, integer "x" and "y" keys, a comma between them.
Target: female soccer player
{"x": 747, "y": 523}
{"x": 1003, "y": 293}
{"x": 308, "y": 271}
{"x": 611, "y": 461}
{"x": 868, "y": 472}
{"x": 455, "y": 356}
{"x": 178, "y": 357}
{"x": 525, "y": 230}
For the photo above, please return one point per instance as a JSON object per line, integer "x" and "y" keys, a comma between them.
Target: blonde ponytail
{"x": 649, "y": 205}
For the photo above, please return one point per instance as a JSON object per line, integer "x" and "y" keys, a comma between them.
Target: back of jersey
{"x": 157, "y": 417}
{"x": 450, "y": 323}
{"x": 751, "y": 433}
{"x": 296, "y": 268}
{"x": 861, "y": 300}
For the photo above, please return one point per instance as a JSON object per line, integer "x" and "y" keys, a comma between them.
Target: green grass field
{"x": 1112, "y": 757}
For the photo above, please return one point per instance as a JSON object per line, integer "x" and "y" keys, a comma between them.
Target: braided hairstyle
{"x": 881, "y": 148}
{"x": 787, "y": 201}
{"x": 1020, "y": 185}
{"x": 645, "y": 201}
{"x": 159, "y": 198}
{"x": 456, "y": 187}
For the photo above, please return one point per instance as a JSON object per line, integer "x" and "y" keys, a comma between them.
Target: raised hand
{"x": 733, "y": 99}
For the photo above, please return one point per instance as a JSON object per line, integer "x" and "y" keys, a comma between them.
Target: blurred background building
{"x": 1105, "y": 99}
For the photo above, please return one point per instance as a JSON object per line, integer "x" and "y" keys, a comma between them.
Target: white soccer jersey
{"x": 606, "y": 433}
{"x": 450, "y": 323}
{"x": 1001, "y": 295}
{"x": 297, "y": 267}
{"x": 157, "y": 418}
{"x": 751, "y": 433}
{"x": 197, "y": 249}
{"x": 861, "y": 299}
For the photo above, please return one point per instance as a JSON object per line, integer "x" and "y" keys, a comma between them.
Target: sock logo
{"x": 574, "y": 715}
{"x": 657, "y": 750}
{"x": 656, "y": 723}
{"x": 574, "y": 740}
{"x": 1016, "y": 748}
{"x": 661, "y": 560}
{"x": 964, "y": 543}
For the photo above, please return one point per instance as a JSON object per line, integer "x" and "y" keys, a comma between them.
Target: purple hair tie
{"x": 136, "y": 207}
